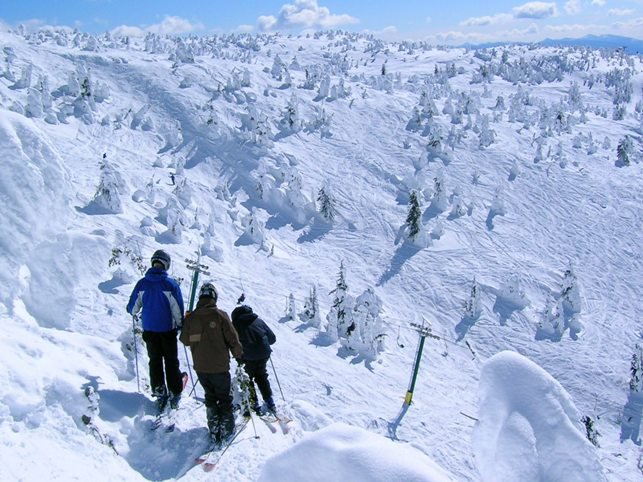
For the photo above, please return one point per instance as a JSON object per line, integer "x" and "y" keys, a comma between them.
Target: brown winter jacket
{"x": 211, "y": 337}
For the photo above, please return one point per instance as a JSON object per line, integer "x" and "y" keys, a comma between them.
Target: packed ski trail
{"x": 65, "y": 304}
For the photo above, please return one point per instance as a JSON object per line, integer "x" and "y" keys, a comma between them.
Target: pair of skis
{"x": 166, "y": 416}
{"x": 271, "y": 419}
{"x": 211, "y": 457}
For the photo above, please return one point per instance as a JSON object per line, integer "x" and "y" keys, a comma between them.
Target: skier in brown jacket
{"x": 211, "y": 337}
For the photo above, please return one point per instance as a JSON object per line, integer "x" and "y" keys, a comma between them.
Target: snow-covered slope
{"x": 513, "y": 194}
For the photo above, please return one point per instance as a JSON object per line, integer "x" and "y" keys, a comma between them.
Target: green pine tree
{"x": 413, "y": 218}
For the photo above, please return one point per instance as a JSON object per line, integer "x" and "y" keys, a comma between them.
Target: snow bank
{"x": 35, "y": 191}
{"x": 529, "y": 428}
{"x": 341, "y": 452}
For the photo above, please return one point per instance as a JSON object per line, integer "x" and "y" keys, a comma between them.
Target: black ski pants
{"x": 256, "y": 370}
{"x": 164, "y": 362}
{"x": 218, "y": 401}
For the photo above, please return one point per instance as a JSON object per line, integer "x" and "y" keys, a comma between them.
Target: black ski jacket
{"x": 255, "y": 336}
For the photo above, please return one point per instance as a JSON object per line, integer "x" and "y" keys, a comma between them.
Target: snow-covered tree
{"x": 414, "y": 217}
{"x": 553, "y": 323}
{"x": 512, "y": 292}
{"x": 590, "y": 430}
{"x": 338, "y": 316}
{"x": 440, "y": 200}
{"x": 253, "y": 229}
{"x": 486, "y": 135}
{"x": 291, "y": 309}
{"x": 364, "y": 334}
{"x": 107, "y": 194}
{"x": 472, "y": 308}
{"x": 570, "y": 293}
{"x": 310, "y": 313}
{"x": 624, "y": 152}
{"x": 326, "y": 205}
{"x": 636, "y": 369}
{"x": 290, "y": 121}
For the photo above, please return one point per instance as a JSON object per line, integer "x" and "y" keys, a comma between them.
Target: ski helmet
{"x": 208, "y": 289}
{"x": 162, "y": 257}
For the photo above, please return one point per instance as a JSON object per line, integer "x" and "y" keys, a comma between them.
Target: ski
{"x": 211, "y": 458}
{"x": 269, "y": 423}
{"x": 166, "y": 414}
{"x": 272, "y": 418}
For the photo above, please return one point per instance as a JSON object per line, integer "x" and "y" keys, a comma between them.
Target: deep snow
{"x": 474, "y": 416}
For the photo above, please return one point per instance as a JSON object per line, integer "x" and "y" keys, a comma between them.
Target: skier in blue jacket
{"x": 159, "y": 298}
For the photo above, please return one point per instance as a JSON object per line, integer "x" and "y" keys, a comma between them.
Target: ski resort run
{"x": 445, "y": 241}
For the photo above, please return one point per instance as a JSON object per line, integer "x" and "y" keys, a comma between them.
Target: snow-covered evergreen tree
{"x": 107, "y": 194}
{"x": 624, "y": 152}
{"x": 326, "y": 205}
{"x": 570, "y": 293}
{"x": 310, "y": 313}
{"x": 291, "y": 309}
{"x": 472, "y": 308}
{"x": 414, "y": 217}
{"x": 636, "y": 369}
{"x": 339, "y": 314}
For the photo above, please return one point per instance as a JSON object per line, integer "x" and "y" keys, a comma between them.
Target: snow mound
{"x": 341, "y": 452}
{"x": 529, "y": 428}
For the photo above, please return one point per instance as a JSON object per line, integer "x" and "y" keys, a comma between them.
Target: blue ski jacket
{"x": 159, "y": 298}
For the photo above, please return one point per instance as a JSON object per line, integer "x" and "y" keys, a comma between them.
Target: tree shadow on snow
{"x": 430, "y": 213}
{"x": 405, "y": 252}
{"x": 489, "y": 222}
{"x": 244, "y": 240}
{"x": 321, "y": 339}
{"x": 316, "y": 231}
{"x": 109, "y": 287}
{"x": 357, "y": 358}
{"x": 93, "y": 209}
{"x": 631, "y": 419}
{"x": 504, "y": 309}
{"x": 463, "y": 327}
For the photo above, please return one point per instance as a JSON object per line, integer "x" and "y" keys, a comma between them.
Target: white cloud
{"x": 536, "y": 10}
{"x": 620, "y": 12}
{"x": 572, "y": 29}
{"x": 572, "y": 7}
{"x": 390, "y": 30}
{"x": 486, "y": 20}
{"x": 304, "y": 14}
{"x": 600, "y": 3}
{"x": 245, "y": 28}
{"x": 170, "y": 25}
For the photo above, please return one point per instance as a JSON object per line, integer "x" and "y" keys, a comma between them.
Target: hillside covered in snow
{"x": 359, "y": 194}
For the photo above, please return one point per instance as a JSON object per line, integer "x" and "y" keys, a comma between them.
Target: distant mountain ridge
{"x": 631, "y": 45}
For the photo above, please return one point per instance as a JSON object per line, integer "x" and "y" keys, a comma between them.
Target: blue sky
{"x": 436, "y": 21}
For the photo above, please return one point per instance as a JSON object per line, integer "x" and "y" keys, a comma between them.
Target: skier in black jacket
{"x": 256, "y": 338}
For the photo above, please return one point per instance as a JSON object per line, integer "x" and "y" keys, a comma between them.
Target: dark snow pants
{"x": 164, "y": 362}
{"x": 218, "y": 402}
{"x": 256, "y": 370}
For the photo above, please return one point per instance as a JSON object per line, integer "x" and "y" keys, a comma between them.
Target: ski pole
{"x": 138, "y": 387}
{"x": 277, "y": 378}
